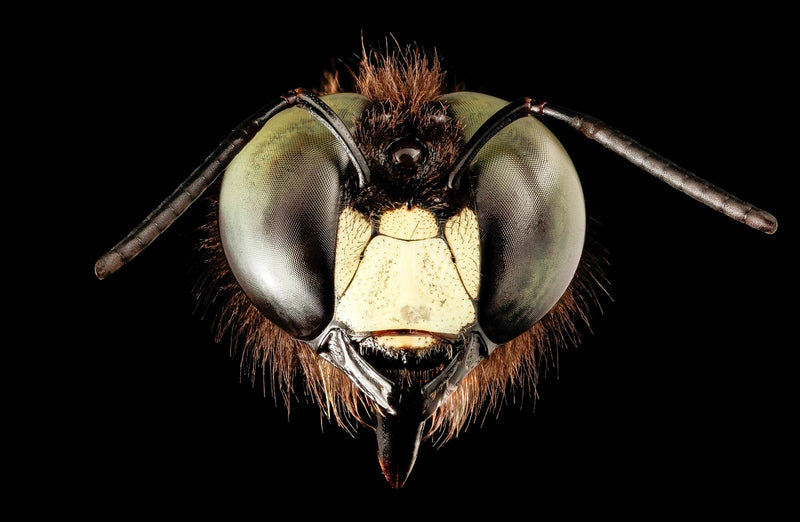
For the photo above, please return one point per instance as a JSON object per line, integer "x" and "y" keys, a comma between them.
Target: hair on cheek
{"x": 289, "y": 368}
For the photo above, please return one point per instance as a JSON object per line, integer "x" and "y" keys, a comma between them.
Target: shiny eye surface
{"x": 531, "y": 216}
{"x": 278, "y": 216}
{"x": 406, "y": 151}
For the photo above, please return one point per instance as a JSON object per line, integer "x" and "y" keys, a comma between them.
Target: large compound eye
{"x": 531, "y": 218}
{"x": 278, "y": 216}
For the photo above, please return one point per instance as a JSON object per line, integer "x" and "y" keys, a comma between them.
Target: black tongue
{"x": 398, "y": 442}
{"x": 398, "y": 438}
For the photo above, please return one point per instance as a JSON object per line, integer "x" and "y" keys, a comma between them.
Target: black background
{"x": 680, "y": 400}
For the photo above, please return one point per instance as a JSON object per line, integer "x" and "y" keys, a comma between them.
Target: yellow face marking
{"x": 406, "y": 285}
{"x": 462, "y": 235}
{"x": 406, "y": 277}
{"x": 414, "y": 223}
{"x": 351, "y": 239}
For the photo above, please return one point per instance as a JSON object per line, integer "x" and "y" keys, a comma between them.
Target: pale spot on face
{"x": 415, "y": 313}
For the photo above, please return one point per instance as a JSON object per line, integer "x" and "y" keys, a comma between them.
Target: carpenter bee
{"x": 409, "y": 252}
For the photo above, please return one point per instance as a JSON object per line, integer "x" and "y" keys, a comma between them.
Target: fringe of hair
{"x": 400, "y": 77}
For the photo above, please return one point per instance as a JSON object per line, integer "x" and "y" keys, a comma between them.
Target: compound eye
{"x": 279, "y": 208}
{"x": 531, "y": 217}
{"x": 406, "y": 152}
